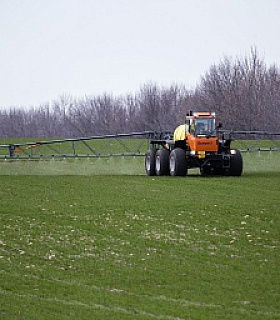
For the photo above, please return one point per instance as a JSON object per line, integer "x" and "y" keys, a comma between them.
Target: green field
{"x": 97, "y": 239}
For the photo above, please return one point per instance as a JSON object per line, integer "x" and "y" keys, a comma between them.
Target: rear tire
{"x": 178, "y": 162}
{"x": 150, "y": 162}
{"x": 236, "y": 164}
{"x": 162, "y": 162}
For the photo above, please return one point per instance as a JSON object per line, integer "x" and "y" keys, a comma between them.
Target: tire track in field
{"x": 182, "y": 302}
{"x": 92, "y": 306}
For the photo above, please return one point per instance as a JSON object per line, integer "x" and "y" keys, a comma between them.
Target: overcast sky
{"x": 88, "y": 47}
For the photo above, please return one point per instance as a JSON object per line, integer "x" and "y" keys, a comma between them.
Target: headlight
{"x": 232, "y": 151}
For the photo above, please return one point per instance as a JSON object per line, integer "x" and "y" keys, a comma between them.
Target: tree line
{"x": 244, "y": 93}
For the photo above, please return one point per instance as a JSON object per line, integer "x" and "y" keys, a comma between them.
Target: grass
{"x": 82, "y": 239}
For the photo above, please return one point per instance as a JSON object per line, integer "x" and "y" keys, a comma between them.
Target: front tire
{"x": 162, "y": 162}
{"x": 236, "y": 163}
{"x": 150, "y": 162}
{"x": 178, "y": 162}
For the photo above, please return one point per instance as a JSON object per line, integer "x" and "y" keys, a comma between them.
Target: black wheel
{"x": 236, "y": 163}
{"x": 162, "y": 162}
{"x": 178, "y": 162}
{"x": 150, "y": 162}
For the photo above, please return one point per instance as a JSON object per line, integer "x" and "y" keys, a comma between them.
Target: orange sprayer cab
{"x": 195, "y": 144}
{"x": 201, "y": 132}
{"x": 198, "y": 134}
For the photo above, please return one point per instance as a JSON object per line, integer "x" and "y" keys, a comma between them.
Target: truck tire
{"x": 178, "y": 162}
{"x": 162, "y": 162}
{"x": 236, "y": 163}
{"x": 150, "y": 162}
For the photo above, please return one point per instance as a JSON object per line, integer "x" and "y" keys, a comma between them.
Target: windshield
{"x": 205, "y": 127}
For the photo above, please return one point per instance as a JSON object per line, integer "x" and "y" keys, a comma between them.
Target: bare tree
{"x": 244, "y": 93}
{"x": 238, "y": 92}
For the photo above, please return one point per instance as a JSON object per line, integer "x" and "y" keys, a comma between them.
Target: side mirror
{"x": 220, "y": 125}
